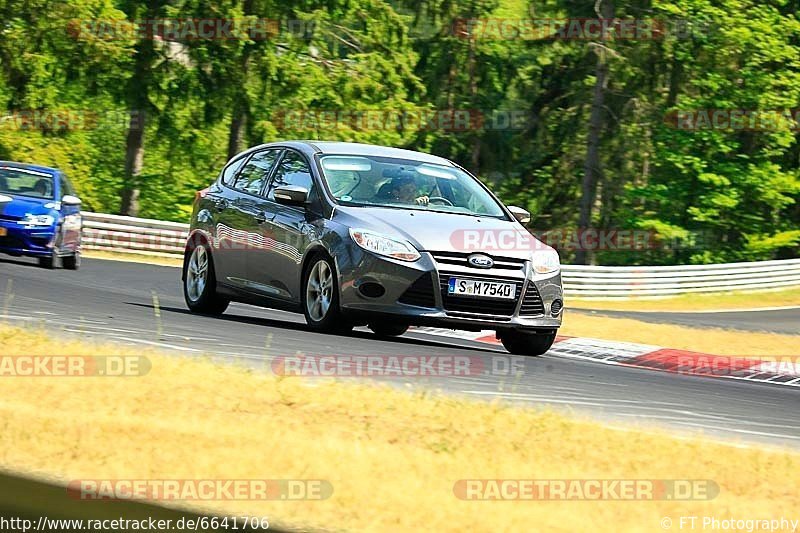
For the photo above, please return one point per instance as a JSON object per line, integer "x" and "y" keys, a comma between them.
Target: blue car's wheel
{"x": 72, "y": 262}
{"x": 51, "y": 261}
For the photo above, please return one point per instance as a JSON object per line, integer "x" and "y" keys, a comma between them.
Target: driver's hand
{"x": 423, "y": 200}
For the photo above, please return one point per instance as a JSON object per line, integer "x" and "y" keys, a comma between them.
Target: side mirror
{"x": 70, "y": 200}
{"x": 522, "y": 216}
{"x": 291, "y": 195}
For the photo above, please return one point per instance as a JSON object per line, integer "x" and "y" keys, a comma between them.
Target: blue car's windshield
{"x": 26, "y": 182}
{"x": 388, "y": 182}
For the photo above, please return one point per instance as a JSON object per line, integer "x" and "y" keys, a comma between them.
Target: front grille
{"x": 532, "y": 304}
{"x": 420, "y": 293}
{"x": 461, "y": 259}
{"x": 11, "y": 242}
{"x": 10, "y": 218}
{"x": 482, "y": 306}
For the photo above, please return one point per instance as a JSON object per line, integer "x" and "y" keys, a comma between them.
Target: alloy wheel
{"x": 197, "y": 273}
{"x": 319, "y": 290}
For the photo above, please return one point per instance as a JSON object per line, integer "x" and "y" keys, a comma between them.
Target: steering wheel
{"x": 441, "y": 200}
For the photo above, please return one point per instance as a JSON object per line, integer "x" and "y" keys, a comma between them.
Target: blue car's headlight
{"x": 37, "y": 220}
{"x": 384, "y": 245}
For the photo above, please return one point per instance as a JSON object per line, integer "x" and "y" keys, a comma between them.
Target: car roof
{"x": 28, "y": 166}
{"x": 345, "y": 148}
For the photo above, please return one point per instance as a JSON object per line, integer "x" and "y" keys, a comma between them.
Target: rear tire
{"x": 320, "y": 297}
{"x": 72, "y": 262}
{"x": 519, "y": 343}
{"x": 388, "y": 329}
{"x": 200, "y": 283}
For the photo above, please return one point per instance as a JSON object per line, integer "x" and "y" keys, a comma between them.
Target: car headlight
{"x": 546, "y": 261}
{"x": 37, "y": 220}
{"x": 383, "y": 245}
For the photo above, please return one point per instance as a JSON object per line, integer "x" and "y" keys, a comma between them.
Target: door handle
{"x": 261, "y": 218}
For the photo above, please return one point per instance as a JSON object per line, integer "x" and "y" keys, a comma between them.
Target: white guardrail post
{"x": 122, "y": 234}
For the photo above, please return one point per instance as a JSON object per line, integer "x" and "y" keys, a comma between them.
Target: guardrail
{"x": 626, "y": 282}
{"x": 155, "y": 237}
{"x": 115, "y": 233}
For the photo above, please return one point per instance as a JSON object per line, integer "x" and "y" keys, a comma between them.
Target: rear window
{"x": 24, "y": 182}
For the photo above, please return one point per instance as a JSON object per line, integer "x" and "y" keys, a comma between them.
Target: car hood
{"x": 18, "y": 206}
{"x": 444, "y": 232}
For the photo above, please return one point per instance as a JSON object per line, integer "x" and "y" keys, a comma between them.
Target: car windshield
{"x": 401, "y": 183}
{"x": 25, "y": 182}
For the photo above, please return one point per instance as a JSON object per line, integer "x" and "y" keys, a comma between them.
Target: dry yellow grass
{"x": 704, "y": 340}
{"x": 392, "y": 456}
{"x": 134, "y": 258}
{"x": 698, "y": 302}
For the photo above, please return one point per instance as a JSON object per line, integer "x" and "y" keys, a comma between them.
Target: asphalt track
{"x": 777, "y": 320}
{"x": 110, "y": 300}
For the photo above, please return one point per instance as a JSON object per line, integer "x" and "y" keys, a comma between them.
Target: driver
{"x": 42, "y": 187}
{"x": 404, "y": 190}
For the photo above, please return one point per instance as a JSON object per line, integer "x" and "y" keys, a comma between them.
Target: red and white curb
{"x": 775, "y": 370}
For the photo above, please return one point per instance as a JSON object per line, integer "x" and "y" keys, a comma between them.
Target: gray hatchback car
{"x": 354, "y": 234}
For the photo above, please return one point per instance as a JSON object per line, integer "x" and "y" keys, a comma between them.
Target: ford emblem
{"x": 481, "y": 261}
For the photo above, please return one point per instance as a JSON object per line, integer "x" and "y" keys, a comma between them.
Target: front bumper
{"x": 408, "y": 295}
{"x": 26, "y": 240}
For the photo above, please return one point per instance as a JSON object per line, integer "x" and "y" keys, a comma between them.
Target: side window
{"x": 229, "y": 172}
{"x": 66, "y": 186}
{"x": 256, "y": 171}
{"x": 292, "y": 170}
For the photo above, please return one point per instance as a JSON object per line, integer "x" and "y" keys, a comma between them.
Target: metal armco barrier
{"x": 121, "y": 234}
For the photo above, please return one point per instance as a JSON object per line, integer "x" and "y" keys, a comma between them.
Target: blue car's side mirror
{"x": 70, "y": 200}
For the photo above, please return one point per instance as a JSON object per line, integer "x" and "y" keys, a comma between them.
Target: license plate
{"x": 3, "y": 232}
{"x": 482, "y": 289}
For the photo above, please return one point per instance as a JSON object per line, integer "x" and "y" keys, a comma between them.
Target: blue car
{"x": 40, "y": 216}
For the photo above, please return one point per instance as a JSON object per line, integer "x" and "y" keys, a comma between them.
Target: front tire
{"x": 50, "y": 262}
{"x": 200, "y": 283}
{"x": 519, "y": 343}
{"x": 388, "y": 329}
{"x": 320, "y": 297}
